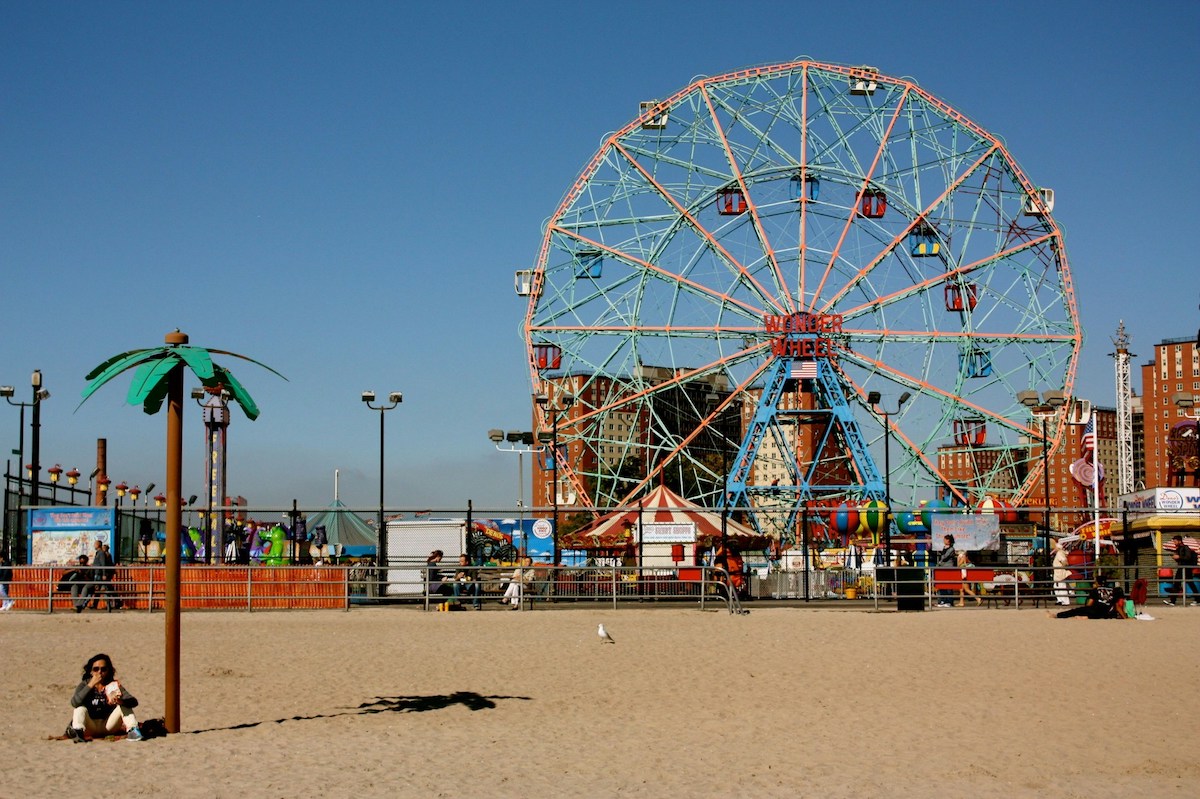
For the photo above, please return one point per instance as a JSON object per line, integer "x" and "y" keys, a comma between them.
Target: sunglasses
{"x": 99, "y": 668}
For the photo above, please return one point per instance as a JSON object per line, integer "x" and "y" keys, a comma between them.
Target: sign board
{"x": 669, "y": 533}
{"x": 59, "y": 535}
{"x": 971, "y": 531}
{"x": 1154, "y": 500}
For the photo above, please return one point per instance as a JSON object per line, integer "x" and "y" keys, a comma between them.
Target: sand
{"x": 688, "y": 703}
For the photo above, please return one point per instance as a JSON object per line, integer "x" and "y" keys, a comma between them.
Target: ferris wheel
{"x": 799, "y": 284}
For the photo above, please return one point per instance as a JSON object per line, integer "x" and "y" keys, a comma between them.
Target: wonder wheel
{"x": 799, "y": 284}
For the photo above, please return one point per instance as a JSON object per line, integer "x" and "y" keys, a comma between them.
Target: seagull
{"x": 605, "y": 638}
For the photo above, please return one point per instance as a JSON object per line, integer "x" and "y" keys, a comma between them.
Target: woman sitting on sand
{"x": 102, "y": 705}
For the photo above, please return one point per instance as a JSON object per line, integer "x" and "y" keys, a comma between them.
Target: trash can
{"x": 908, "y": 583}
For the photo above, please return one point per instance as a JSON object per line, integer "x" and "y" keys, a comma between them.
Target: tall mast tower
{"x": 1124, "y": 412}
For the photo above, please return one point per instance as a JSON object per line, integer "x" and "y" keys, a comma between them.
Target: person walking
{"x": 103, "y": 571}
{"x": 1061, "y": 575}
{"x": 1185, "y": 574}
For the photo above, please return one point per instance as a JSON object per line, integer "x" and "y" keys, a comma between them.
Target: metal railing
{"x": 143, "y": 587}
{"x": 540, "y": 586}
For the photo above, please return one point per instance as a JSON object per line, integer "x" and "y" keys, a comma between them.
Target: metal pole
{"x": 521, "y": 500}
{"x": 554, "y": 487}
{"x": 887, "y": 489}
{"x": 381, "y": 546}
{"x": 1046, "y": 486}
{"x": 35, "y": 439}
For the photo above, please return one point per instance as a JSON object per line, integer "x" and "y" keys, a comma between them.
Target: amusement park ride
{"x": 803, "y": 239}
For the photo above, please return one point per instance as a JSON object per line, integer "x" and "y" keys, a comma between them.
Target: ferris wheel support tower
{"x": 1124, "y": 412}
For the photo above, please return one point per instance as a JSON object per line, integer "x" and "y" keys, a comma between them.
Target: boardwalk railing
{"x": 142, "y": 587}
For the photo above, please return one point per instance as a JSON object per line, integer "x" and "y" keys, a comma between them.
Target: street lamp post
{"x": 122, "y": 489}
{"x": 873, "y": 398}
{"x": 515, "y": 437}
{"x": 1187, "y": 404}
{"x": 714, "y": 402}
{"x": 54, "y": 471}
{"x": 556, "y": 412}
{"x": 394, "y": 399}
{"x": 39, "y": 394}
{"x": 72, "y": 480}
{"x": 1043, "y": 408}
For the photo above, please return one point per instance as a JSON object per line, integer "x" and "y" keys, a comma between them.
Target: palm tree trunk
{"x": 174, "y": 521}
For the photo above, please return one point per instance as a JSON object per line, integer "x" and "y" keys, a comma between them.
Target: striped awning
{"x": 663, "y": 506}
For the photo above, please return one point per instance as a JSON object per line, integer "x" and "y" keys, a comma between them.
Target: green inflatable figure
{"x": 276, "y": 553}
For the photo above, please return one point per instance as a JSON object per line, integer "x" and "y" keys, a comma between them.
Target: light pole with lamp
{"x": 873, "y": 399}
{"x": 394, "y": 399}
{"x": 1187, "y": 404}
{"x": 122, "y": 489}
{"x": 1043, "y": 409}
{"x": 72, "y": 481}
{"x": 39, "y": 394}
{"x": 55, "y": 472}
{"x": 515, "y": 437}
{"x": 713, "y": 400}
{"x": 556, "y": 412}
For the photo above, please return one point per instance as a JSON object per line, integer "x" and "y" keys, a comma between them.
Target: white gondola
{"x": 1041, "y": 203}
{"x": 655, "y": 121}
{"x": 863, "y": 85}
{"x": 523, "y": 282}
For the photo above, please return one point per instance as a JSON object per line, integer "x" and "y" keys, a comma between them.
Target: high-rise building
{"x": 1174, "y": 371}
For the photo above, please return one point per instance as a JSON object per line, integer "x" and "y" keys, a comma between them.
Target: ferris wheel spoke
{"x": 866, "y": 182}
{"x": 942, "y": 278}
{"x": 780, "y": 282}
{"x": 648, "y": 268}
{"x": 904, "y": 233}
{"x": 743, "y": 276}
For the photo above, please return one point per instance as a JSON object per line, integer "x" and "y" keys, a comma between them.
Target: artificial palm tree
{"x": 159, "y": 377}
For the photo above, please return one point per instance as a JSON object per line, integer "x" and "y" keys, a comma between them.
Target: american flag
{"x": 803, "y": 370}
{"x": 1087, "y": 442}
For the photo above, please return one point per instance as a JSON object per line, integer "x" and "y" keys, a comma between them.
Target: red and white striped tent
{"x": 665, "y": 506}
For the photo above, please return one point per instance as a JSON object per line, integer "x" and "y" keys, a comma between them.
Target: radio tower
{"x": 1124, "y": 413}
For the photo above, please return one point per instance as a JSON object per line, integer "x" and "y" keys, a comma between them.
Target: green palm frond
{"x": 198, "y": 359}
{"x": 225, "y": 378}
{"x": 115, "y": 366}
{"x": 154, "y": 366}
{"x": 247, "y": 358}
{"x": 147, "y": 377}
{"x": 152, "y": 403}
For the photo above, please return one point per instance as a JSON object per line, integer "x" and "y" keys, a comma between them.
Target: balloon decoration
{"x": 928, "y": 509}
{"x": 1000, "y": 507}
{"x": 844, "y": 520}
{"x": 910, "y": 523}
{"x": 873, "y": 518}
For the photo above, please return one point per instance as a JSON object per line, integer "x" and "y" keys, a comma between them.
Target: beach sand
{"x": 688, "y": 703}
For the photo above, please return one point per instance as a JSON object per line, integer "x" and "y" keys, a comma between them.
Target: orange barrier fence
{"x": 142, "y": 587}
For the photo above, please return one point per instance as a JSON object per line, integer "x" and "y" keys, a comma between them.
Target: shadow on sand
{"x": 388, "y": 704}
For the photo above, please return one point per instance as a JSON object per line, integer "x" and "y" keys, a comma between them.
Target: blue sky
{"x": 344, "y": 190}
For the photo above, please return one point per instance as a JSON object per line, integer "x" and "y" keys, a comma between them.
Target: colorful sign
{"x": 668, "y": 533}
{"x": 59, "y": 535}
{"x": 1161, "y": 499}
